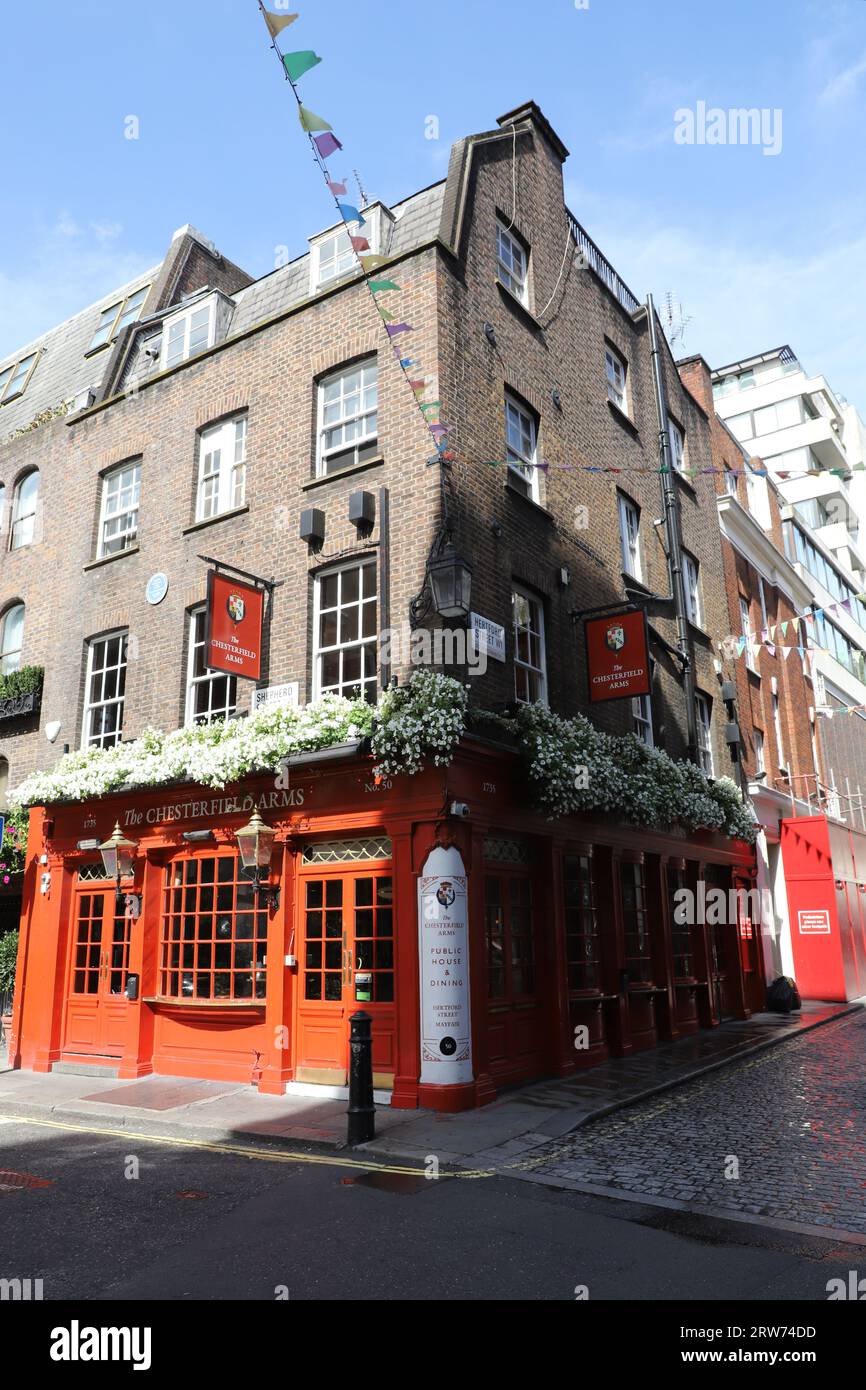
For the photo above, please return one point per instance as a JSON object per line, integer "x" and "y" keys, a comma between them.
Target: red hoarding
{"x": 234, "y": 626}
{"x": 617, "y": 656}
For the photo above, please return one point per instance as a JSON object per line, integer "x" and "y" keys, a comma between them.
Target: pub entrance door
{"x": 96, "y": 1004}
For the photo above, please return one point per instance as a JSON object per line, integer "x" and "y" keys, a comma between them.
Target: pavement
{"x": 511, "y": 1134}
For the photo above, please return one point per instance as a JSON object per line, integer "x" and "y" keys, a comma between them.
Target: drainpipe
{"x": 673, "y": 535}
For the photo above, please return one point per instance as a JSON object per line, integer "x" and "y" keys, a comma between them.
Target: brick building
{"x": 269, "y": 426}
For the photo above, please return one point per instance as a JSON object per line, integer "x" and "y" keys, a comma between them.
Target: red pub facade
{"x": 570, "y": 954}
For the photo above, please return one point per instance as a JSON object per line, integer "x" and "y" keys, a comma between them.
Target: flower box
{"x": 17, "y": 705}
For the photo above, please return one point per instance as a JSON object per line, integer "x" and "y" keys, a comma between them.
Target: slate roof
{"x": 63, "y": 370}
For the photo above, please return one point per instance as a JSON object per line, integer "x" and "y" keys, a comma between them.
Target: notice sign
{"x": 234, "y": 626}
{"x": 489, "y": 636}
{"x": 443, "y": 931}
{"x": 617, "y": 656}
{"x": 814, "y": 923}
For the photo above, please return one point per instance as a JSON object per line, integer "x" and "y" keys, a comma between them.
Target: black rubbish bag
{"x": 783, "y": 996}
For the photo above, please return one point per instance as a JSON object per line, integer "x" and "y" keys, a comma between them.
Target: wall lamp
{"x": 255, "y": 842}
{"x": 451, "y": 581}
{"x": 118, "y": 856}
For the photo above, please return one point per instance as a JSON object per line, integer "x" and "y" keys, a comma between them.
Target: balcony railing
{"x": 21, "y": 692}
{"x": 594, "y": 260}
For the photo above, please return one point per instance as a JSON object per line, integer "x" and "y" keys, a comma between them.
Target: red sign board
{"x": 234, "y": 626}
{"x": 617, "y": 656}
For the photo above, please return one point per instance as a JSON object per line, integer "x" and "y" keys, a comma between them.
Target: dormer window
{"x": 334, "y": 258}
{"x": 188, "y": 333}
{"x": 117, "y": 317}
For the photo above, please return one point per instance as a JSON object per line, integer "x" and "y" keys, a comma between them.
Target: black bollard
{"x": 362, "y": 1111}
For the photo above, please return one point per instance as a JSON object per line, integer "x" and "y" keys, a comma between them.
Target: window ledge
{"x": 685, "y": 482}
{"x": 516, "y": 492}
{"x": 108, "y": 559}
{"x": 94, "y": 352}
{"x": 343, "y": 473}
{"x": 623, "y": 418}
{"x": 212, "y": 520}
{"x": 514, "y": 303}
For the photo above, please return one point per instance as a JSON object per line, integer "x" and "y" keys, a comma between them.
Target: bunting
{"x": 277, "y": 22}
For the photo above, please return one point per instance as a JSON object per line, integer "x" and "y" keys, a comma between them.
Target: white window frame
{"x": 522, "y": 459}
{"x": 537, "y": 672}
{"x": 704, "y": 722}
{"x": 126, "y": 515}
{"x": 25, "y": 522}
{"x": 642, "y": 718}
{"x": 369, "y": 683}
{"x": 15, "y": 378}
{"x": 512, "y": 262}
{"x": 762, "y": 597}
{"x": 359, "y": 446}
{"x": 344, "y": 262}
{"x": 777, "y": 726}
{"x": 692, "y": 587}
{"x": 10, "y": 657}
{"x": 117, "y": 316}
{"x": 730, "y": 482}
{"x": 758, "y": 744}
{"x": 90, "y": 706}
{"x": 629, "y": 537}
{"x": 746, "y": 625}
{"x": 222, "y": 468}
{"x": 677, "y": 438}
{"x": 179, "y": 329}
{"x": 218, "y": 710}
{"x": 616, "y": 369}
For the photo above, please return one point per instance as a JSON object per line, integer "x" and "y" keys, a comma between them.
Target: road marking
{"x": 266, "y": 1155}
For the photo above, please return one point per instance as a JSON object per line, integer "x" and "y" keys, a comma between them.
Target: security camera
{"x": 459, "y": 808}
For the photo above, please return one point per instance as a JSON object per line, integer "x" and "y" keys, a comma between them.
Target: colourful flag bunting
{"x": 431, "y": 405}
{"x": 384, "y": 314}
{"x": 359, "y": 243}
{"x": 296, "y": 64}
{"x": 784, "y": 627}
{"x": 392, "y": 329}
{"x": 327, "y": 144}
{"x": 338, "y": 189}
{"x": 379, "y": 286}
{"x": 310, "y": 121}
{"x": 411, "y": 362}
{"x": 372, "y": 262}
{"x": 277, "y": 22}
{"x": 350, "y": 214}
{"x": 786, "y": 652}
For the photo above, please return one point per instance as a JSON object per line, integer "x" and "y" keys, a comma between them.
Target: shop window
{"x": 510, "y": 947}
{"x": 581, "y": 924}
{"x": 105, "y": 689}
{"x": 210, "y": 695}
{"x": 345, "y": 658}
{"x": 348, "y": 417}
{"x": 214, "y": 932}
{"x": 681, "y": 936}
{"x": 635, "y": 927}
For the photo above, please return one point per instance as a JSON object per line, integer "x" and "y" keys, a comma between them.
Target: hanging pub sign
{"x": 234, "y": 626}
{"x": 617, "y": 656}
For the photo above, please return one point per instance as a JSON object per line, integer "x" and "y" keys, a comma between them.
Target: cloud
{"x": 844, "y": 84}
{"x": 743, "y": 295}
{"x": 68, "y": 269}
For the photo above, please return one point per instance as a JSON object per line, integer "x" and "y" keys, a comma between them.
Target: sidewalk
{"x": 219, "y": 1113}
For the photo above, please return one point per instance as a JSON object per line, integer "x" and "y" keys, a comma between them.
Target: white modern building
{"x": 813, "y": 443}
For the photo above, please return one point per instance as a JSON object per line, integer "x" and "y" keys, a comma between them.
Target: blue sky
{"x": 760, "y": 250}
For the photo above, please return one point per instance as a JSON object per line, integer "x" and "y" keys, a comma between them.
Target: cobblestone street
{"x": 791, "y": 1122}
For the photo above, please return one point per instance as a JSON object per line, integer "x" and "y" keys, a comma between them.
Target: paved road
{"x": 207, "y": 1225}
{"x": 781, "y": 1136}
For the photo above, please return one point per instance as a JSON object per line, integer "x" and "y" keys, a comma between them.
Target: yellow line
{"x": 266, "y": 1155}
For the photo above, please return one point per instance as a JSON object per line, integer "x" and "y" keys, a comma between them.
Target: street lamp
{"x": 451, "y": 581}
{"x": 118, "y": 856}
{"x": 255, "y": 842}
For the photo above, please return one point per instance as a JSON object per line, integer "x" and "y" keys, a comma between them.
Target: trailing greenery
{"x": 14, "y": 848}
{"x": 23, "y": 682}
{"x": 52, "y": 412}
{"x": 8, "y": 957}
{"x": 571, "y": 765}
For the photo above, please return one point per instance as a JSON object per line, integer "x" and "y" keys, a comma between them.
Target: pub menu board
{"x": 443, "y": 926}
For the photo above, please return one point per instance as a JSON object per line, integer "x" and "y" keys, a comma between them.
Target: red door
{"x": 513, "y": 1000}
{"x": 346, "y": 964}
{"x": 96, "y": 1007}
